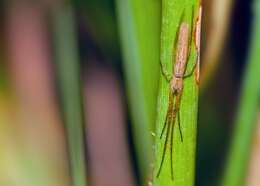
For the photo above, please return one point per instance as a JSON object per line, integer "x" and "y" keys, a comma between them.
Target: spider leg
{"x": 164, "y": 151}
{"x": 171, "y": 144}
{"x": 188, "y": 74}
{"x": 169, "y": 111}
{"x": 164, "y": 126}
{"x": 179, "y": 124}
{"x": 167, "y": 76}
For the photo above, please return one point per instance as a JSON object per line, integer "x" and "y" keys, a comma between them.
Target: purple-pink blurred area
{"x": 33, "y": 141}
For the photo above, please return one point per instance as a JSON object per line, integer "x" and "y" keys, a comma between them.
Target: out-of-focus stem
{"x": 67, "y": 61}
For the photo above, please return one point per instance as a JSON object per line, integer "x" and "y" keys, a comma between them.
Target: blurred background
{"x": 64, "y": 107}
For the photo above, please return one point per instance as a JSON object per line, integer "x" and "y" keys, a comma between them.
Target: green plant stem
{"x": 139, "y": 23}
{"x": 69, "y": 81}
{"x": 174, "y": 12}
{"x": 245, "y": 121}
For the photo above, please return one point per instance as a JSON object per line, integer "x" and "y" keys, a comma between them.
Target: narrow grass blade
{"x": 67, "y": 62}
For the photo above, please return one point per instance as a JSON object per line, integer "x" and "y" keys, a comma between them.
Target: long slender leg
{"x": 164, "y": 150}
{"x": 169, "y": 111}
{"x": 190, "y": 45}
{"x": 171, "y": 144}
{"x": 179, "y": 125}
{"x": 191, "y": 30}
{"x": 164, "y": 125}
{"x": 186, "y": 75}
{"x": 167, "y": 76}
{"x": 177, "y": 111}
